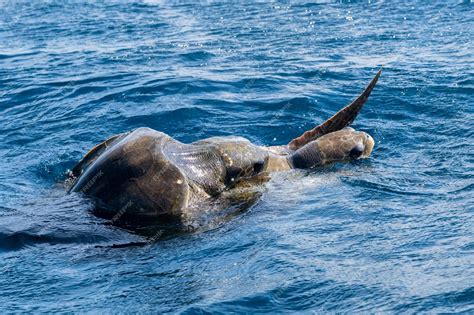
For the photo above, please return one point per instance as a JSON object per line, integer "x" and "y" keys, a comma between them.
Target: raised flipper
{"x": 340, "y": 120}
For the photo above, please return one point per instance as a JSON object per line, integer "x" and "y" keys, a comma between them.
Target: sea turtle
{"x": 146, "y": 174}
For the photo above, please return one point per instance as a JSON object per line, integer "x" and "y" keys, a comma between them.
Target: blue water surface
{"x": 394, "y": 233}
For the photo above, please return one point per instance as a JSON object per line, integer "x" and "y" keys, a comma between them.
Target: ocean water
{"x": 394, "y": 233}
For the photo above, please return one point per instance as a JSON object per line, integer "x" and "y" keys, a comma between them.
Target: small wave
{"x": 18, "y": 240}
{"x": 12, "y": 55}
{"x": 460, "y": 300}
{"x": 387, "y": 189}
{"x": 200, "y": 55}
{"x": 106, "y": 78}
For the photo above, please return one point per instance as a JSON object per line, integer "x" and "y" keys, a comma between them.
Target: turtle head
{"x": 343, "y": 145}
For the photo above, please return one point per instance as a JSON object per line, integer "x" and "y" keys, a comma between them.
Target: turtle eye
{"x": 356, "y": 151}
{"x": 258, "y": 167}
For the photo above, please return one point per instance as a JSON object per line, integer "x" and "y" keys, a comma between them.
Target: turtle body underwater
{"x": 146, "y": 175}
